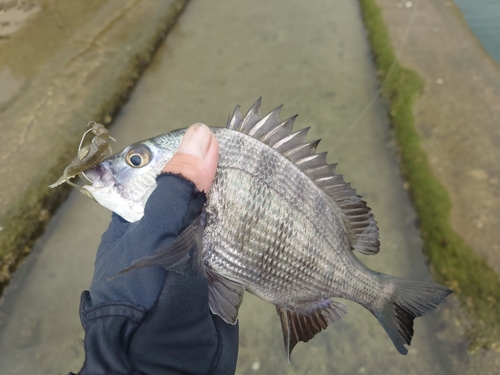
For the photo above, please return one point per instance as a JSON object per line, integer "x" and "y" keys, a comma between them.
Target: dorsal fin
{"x": 235, "y": 120}
{"x": 251, "y": 118}
{"x": 359, "y": 220}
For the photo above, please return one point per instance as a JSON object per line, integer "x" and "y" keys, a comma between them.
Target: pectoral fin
{"x": 224, "y": 296}
{"x": 177, "y": 254}
{"x": 305, "y": 322}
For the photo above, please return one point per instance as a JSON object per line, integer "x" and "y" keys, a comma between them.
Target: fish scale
{"x": 295, "y": 257}
{"x": 280, "y": 223}
{"x": 288, "y": 189}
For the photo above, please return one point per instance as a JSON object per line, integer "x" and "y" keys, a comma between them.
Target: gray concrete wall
{"x": 53, "y": 95}
{"x": 314, "y": 58}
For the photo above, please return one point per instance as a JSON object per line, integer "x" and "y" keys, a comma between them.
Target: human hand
{"x": 196, "y": 157}
{"x": 151, "y": 320}
{"x": 172, "y": 206}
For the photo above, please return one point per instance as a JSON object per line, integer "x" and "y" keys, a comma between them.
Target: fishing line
{"x": 377, "y": 94}
{"x": 80, "y": 146}
{"x": 84, "y": 134}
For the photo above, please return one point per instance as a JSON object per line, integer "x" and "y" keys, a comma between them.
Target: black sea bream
{"x": 280, "y": 223}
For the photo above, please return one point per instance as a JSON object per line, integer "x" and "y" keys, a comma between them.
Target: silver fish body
{"x": 273, "y": 233}
{"x": 281, "y": 224}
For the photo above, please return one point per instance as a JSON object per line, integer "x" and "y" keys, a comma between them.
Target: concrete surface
{"x": 458, "y": 114}
{"x": 314, "y": 58}
{"x": 59, "y": 72}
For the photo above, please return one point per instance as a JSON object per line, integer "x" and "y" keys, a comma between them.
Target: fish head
{"x": 123, "y": 182}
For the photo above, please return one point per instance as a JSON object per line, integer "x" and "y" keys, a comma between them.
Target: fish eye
{"x": 138, "y": 156}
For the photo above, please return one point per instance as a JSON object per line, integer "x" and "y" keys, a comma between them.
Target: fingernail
{"x": 196, "y": 140}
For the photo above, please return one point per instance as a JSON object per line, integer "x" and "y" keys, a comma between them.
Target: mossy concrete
{"x": 85, "y": 77}
{"x": 445, "y": 175}
{"x": 314, "y": 58}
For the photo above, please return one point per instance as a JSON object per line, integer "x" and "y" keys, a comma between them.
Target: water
{"x": 314, "y": 58}
{"x": 483, "y": 17}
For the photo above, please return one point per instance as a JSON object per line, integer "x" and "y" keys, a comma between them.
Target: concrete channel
{"x": 314, "y": 58}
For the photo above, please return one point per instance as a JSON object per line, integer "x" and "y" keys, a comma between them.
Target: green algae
{"x": 27, "y": 221}
{"x": 453, "y": 262}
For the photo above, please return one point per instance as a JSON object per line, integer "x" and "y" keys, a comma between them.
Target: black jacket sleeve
{"x": 178, "y": 334}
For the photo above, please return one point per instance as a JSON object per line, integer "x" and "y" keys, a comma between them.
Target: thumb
{"x": 196, "y": 158}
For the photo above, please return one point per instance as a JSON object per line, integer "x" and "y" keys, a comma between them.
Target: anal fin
{"x": 225, "y": 296}
{"x": 304, "y": 322}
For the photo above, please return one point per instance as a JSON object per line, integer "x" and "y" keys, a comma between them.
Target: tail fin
{"x": 407, "y": 300}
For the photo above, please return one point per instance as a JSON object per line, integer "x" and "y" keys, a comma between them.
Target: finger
{"x": 196, "y": 158}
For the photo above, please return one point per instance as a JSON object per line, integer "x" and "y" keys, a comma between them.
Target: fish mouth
{"x": 100, "y": 177}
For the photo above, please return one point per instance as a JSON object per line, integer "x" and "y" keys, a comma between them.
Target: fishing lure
{"x": 88, "y": 156}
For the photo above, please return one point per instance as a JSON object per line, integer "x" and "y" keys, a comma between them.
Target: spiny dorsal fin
{"x": 251, "y": 118}
{"x": 359, "y": 219}
{"x": 235, "y": 119}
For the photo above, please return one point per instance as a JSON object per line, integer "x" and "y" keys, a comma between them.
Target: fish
{"x": 279, "y": 222}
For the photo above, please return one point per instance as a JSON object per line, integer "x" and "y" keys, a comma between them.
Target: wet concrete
{"x": 314, "y": 58}
{"x": 32, "y": 32}
{"x": 69, "y": 62}
{"x": 13, "y": 15}
{"x": 457, "y": 115}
